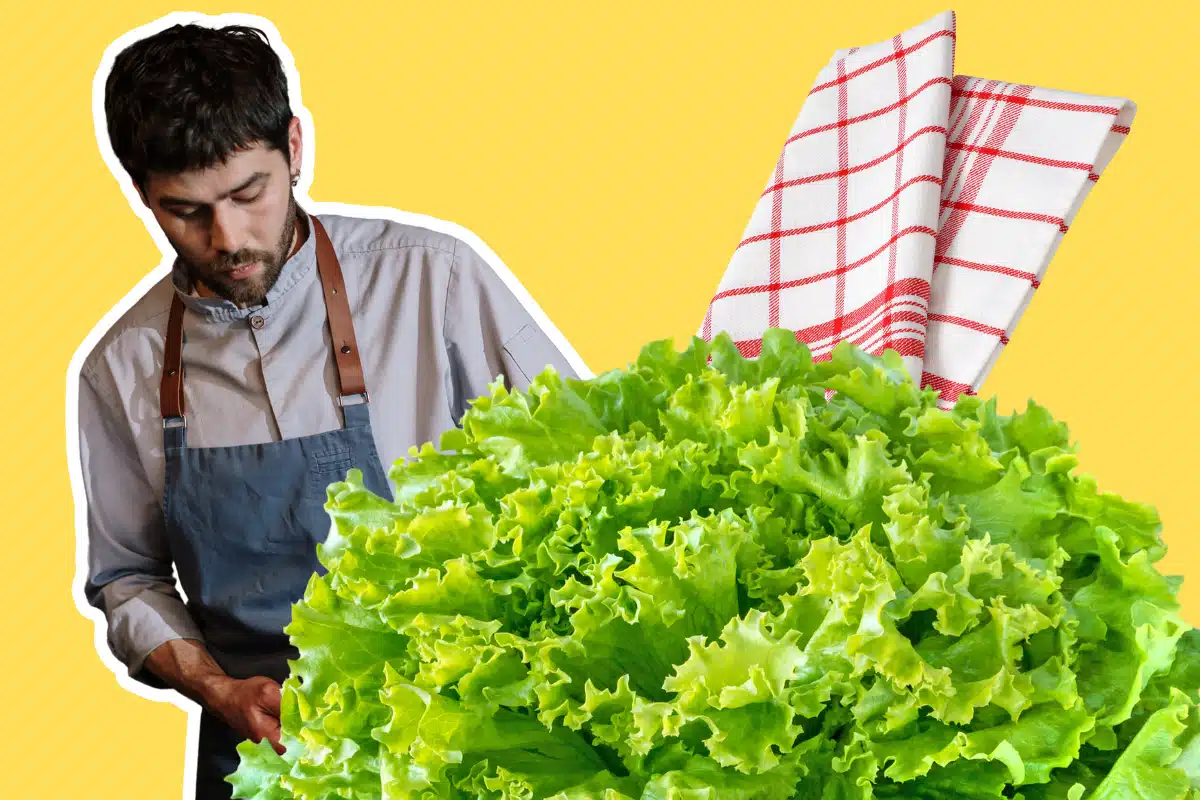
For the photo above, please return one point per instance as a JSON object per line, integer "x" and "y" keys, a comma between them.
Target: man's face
{"x": 232, "y": 225}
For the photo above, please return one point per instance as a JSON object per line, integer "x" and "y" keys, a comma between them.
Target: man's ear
{"x": 295, "y": 146}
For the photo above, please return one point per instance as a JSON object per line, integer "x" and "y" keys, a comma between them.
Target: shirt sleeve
{"x": 489, "y": 333}
{"x": 130, "y": 577}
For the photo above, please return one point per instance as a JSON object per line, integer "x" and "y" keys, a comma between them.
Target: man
{"x": 283, "y": 350}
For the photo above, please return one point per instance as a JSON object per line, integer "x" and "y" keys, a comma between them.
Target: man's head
{"x": 199, "y": 118}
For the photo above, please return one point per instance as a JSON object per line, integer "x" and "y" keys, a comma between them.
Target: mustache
{"x": 229, "y": 264}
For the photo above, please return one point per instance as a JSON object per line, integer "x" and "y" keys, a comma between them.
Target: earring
{"x": 295, "y": 179}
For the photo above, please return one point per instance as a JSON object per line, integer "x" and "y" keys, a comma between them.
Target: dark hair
{"x": 188, "y": 97}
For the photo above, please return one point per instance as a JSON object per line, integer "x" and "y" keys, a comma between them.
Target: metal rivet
{"x": 335, "y": 291}
{"x": 345, "y": 348}
{"x": 170, "y": 372}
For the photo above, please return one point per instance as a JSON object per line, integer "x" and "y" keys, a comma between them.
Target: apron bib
{"x": 243, "y": 522}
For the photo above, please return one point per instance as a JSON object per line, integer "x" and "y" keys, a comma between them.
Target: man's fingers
{"x": 267, "y": 727}
{"x": 273, "y": 735}
{"x": 271, "y": 696}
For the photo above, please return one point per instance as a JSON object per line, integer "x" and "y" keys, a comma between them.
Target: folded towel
{"x": 915, "y": 210}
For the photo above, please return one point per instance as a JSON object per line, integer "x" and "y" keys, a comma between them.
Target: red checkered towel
{"x": 915, "y": 210}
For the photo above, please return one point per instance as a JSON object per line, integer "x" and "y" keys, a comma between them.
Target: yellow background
{"x": 611, "y": 157}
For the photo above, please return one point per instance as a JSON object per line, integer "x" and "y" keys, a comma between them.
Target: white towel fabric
{"x": 915, "y": 210}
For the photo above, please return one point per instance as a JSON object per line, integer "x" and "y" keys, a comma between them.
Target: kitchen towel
{"x": 914, "y": 209}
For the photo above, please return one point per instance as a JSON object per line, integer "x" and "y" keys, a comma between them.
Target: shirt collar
{"x": 295, "y": 270}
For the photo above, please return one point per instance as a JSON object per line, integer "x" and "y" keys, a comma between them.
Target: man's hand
{"x": 250, "y": 707}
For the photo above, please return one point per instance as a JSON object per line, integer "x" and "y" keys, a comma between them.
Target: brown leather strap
{"x": 341, "y": 326}
{"x": 337, "y": 308}
{"x": 170, "y": 393}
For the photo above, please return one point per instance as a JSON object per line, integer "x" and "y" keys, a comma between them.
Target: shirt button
{"x": 257, "y": 322}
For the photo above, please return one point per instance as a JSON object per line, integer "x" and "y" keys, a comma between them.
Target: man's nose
{"x": 228, "y": 231}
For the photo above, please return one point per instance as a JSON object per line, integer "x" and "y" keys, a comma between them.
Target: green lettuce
{"x": 705, "y": 576}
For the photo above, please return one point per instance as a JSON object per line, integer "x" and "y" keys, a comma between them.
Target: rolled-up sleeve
{"x": 130, "y": 577}
{"x": 489, "y": 333}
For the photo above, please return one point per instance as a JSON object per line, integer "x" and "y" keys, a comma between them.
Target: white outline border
{"x": 100, "y": 639}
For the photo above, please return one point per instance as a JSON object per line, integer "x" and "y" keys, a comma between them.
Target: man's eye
{"x": 249, "y": 199}
{"x": 193, "y": 214}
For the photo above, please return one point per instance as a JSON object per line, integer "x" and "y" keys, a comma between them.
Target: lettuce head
{"x": 709, "y": 577}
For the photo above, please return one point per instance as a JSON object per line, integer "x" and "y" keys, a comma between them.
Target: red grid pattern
{"x": 915, "y": 210}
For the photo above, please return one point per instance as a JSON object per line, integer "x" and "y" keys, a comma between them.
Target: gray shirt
{"x": 434, "y": 322}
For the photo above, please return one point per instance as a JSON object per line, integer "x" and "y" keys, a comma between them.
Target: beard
{"x": 252, "y": 290}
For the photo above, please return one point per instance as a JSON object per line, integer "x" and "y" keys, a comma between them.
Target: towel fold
{"x": 914, "y": 209}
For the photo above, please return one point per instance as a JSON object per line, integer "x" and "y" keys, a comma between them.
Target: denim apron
{"x": 244, "y": 522}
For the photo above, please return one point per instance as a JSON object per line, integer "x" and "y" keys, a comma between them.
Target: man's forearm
{"x": 186, "y": 666}
{"x": 249, "y": 706}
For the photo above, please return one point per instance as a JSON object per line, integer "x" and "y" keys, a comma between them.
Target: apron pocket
{"x": 328, "y": 466}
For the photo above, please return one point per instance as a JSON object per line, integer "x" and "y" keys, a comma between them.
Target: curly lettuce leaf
{"x": 706, "y": 576}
